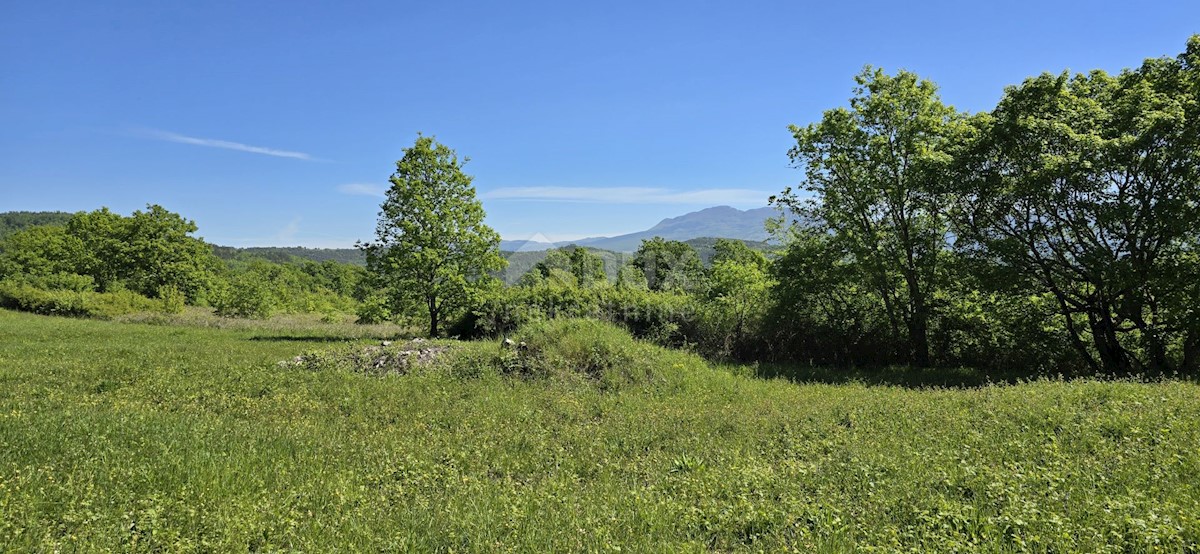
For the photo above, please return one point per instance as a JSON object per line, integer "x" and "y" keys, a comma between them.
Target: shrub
{"x": 65, "y": 281}
{"x": 586, "y": 348}
{"x": 24, "y": 296}
{"x": 373, "y": 310}
{"x": 111, "y": 304}
{"x": 246, "y": 297}
{"x": 667, "y": 318}
{"x": 171, "y": 299}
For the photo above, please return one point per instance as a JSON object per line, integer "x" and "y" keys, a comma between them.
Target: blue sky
{"x": 279, "y": 123}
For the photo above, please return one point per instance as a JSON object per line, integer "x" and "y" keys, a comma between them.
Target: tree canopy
{"x": 876, "y": 173}
{"x": 1088, "y": 187}
{"x": 144, "y": 252}
{"x": 432, "y": 250}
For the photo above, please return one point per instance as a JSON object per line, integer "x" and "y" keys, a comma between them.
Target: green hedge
{"x": 28, "y": 297}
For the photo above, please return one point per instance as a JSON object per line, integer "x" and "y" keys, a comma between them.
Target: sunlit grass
{"x": 120, "y": 436}
{"x": 328, "y": 326}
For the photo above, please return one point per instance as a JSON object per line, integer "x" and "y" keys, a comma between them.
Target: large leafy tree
{"x": 820, "y": 310}
{"x": 432, "y": 251}
{"x": 876, "y": 173}
{"x": 1088, "y": 187}
{"x": 157, "y": 250}
{"x": 40, "y": 251}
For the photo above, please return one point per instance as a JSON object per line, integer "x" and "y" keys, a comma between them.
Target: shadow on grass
{"x": 900, "y": 376}
{"x": 302, "y": 338}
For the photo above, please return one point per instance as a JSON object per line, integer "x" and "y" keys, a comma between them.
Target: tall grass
{"x": 119, "y": 436}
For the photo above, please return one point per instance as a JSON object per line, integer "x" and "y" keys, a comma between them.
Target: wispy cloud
{"x": 226, "y": 144}
{"x": 630, "y": 195}
{"x": 361, "y": 189}
{"x": 288, "y": 232}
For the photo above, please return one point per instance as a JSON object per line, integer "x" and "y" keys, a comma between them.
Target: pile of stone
{"x": 386, "y": 358}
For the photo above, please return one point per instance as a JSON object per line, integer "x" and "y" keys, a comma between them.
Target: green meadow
{"x": 186, "y": 438}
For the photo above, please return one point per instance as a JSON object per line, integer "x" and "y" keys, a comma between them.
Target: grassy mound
{"x": 570, "y": 351}
{"x": 586, "y": 349}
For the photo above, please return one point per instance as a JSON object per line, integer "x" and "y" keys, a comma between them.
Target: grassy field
{"x": 126, "y": 436}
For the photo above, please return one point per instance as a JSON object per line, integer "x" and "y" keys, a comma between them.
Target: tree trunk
{"x": 918, "y": 336}
{"x": 433, "y": 318}
{"x": 1073, "y": 333}
{"x": 1191, "y": 353}
{"x": 918, "y": 324}
{"x": 1113, "y": 356}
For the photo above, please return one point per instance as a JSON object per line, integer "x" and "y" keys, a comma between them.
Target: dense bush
{"x": 26, "y": 297}
{"x": 172, "y": 299}
{"x": 246, "y": 295}
{"x": 373, "y": 310}
{"x": 29, "y": 297}
{"x": 257, "y": 288}
{"x": 668, "y": 318}
{"x": 583, "y": 347}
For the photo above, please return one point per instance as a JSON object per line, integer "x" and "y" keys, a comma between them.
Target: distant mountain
{"x": 528, "y": 245}
{"x": 721, "y": 222}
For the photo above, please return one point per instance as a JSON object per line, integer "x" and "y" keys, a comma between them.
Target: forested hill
{"x": 284, "y": 254}
{"x": 519, "y": 263}
{"x": 11, "y": 222}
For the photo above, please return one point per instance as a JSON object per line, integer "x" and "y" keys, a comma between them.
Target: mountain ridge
{"x": 717, "y": 221}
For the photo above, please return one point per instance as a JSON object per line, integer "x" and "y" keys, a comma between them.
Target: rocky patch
{"x": 384, "y": 359}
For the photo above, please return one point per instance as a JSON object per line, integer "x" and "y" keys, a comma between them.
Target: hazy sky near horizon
{"x": 279, "y": 123}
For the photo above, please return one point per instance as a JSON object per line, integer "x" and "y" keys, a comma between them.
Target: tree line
{"x": 103, "y": 264}
{"x": 1056, "y": 232}
{"x": 1077, "y": 194}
